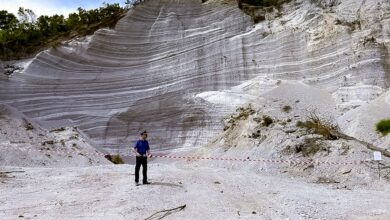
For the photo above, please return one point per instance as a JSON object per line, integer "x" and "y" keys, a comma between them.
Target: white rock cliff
{"x": 164, "y": 63}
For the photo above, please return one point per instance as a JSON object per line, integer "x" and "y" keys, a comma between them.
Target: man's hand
{"x": 136, "y": 153}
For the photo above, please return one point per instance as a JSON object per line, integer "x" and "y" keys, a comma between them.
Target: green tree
{"x": 43, "y": 23}
{"x": 31, "y": 15}
{"x": 57, "y": 24}
{"x": 27, "y": 35}
{"x": 8, "y": 21}
{"x": 22, "y": 15}
{"x": 72, "y": 21}
{"x": 83, "y": 15}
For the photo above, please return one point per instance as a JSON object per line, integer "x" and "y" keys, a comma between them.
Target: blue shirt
{"x": 141, "y": 146}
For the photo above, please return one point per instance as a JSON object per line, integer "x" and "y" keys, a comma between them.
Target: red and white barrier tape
{"x": 291, "y": 162}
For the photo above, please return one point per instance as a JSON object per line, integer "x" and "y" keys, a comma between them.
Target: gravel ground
{"x": 108, "y": 192}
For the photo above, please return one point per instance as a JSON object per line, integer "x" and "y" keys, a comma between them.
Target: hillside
{"x": 146, "y": 73}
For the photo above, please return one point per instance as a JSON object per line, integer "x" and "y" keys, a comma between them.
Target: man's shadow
{"x": 163, "y": 184}
{"x": 166, "y": 184}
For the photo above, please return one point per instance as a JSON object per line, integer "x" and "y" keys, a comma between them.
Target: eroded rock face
{"x": 146, "y": 73}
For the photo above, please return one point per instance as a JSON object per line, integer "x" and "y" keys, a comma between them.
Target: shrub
{"x": 383, "y": 126}
{"x": 49, "y": 142}
{"x": 58, "y": 129}
{"x": 267, "y": 121}
{"x": 29, "y": 126}
{"x": 241, "y": 114}
{"x": 287, "y": 108}
{"x": 318, "y": 126}
{"x": 115, "y": 159}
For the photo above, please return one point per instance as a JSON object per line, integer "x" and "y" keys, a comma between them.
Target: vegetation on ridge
{"x": 24, "y": 35}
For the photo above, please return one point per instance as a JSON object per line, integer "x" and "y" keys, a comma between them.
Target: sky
{"x": 50, "y": 7}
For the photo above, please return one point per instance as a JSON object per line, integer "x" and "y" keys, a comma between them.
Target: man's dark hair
{"x": 143, "y": 132}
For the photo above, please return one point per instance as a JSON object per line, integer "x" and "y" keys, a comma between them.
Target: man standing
{"x": 142, "y": 152}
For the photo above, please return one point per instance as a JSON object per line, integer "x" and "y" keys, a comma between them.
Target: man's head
{"x": 144, "y": 135}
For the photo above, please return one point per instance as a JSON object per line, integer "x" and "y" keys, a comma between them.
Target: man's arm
{"x": 148, "y": 151}
{"x": 135, "y": 150}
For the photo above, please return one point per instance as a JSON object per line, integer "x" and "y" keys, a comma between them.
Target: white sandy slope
{"x": 360, "y": 122}
{"x": 108, "y": 192}
{"x": 40, "y": 147}
{"x": 281, "y": 139}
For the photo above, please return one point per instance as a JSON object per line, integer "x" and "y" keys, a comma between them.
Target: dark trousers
{"x": 144, "y": 162}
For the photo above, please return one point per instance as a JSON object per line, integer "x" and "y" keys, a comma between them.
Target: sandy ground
{"x": 109, "y": 192}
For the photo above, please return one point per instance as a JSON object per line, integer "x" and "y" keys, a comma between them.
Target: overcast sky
{"x": 50, "y": 7}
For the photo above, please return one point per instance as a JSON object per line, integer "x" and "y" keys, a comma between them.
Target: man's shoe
{"x": 146, "y": 182}
{"x": 136, "y": 184}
